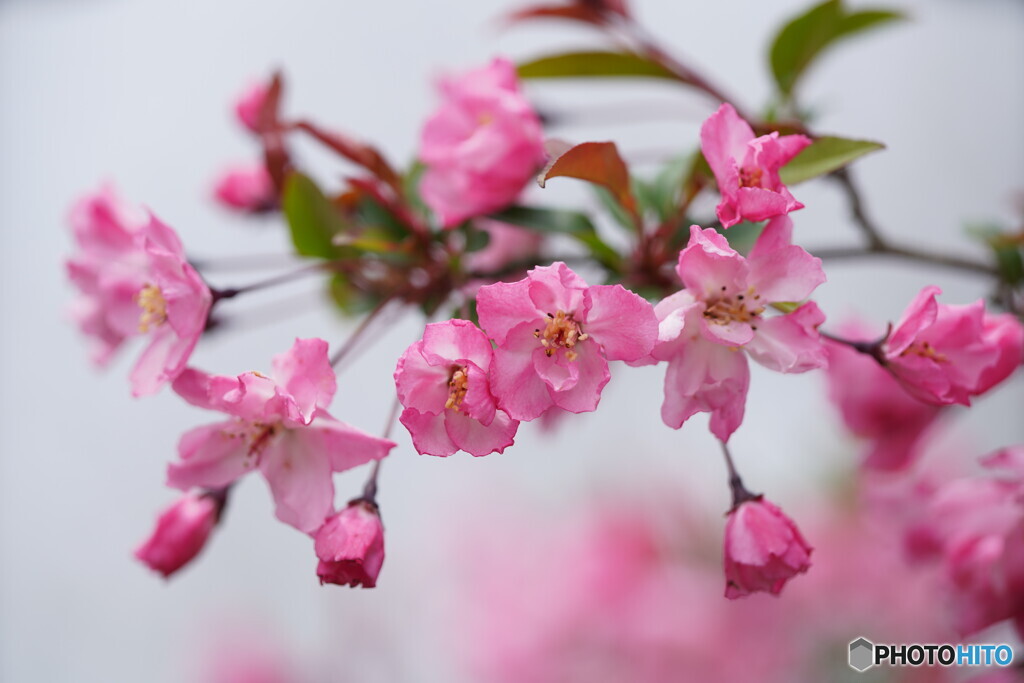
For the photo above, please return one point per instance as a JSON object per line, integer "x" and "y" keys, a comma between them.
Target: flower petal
{"x": 477, "y": 439}
{"x": 790, "y": 343}
{"x": 298, "y": 471}
{"x": 212, "y": 456}
{"x": 623, "y": 323}
{"x": 429, "y": 436}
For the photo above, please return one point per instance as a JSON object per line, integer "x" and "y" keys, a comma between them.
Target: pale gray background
{"x": 139, "y": 92}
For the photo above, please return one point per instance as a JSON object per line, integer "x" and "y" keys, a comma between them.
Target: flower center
{"x": 458, "y": 385}
{"x": 743, "y": 308}
{"x": 561, "y": 332}
{"x": 750, "y": 177}
{"x": 925, "y": 350}
{"x": 154, "y": 308}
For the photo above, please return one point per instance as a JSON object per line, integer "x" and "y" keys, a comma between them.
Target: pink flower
{"x": 705, "y": 328}
{"x": 945, "y": 354}
{"x": 443, "y": 384}
{"x": 280, "y": 426}
{"x": 246, "y": 188}
{"x": 135, "y": 280}
{"x": 250, "y": 104}
{"x": 747, "y": 168}
{"x": 874, "y": 406}
{"x": 181, "y": 532}
{"x": 555, "y": 336}
{"x": 350, "y": 546}
{"x": 509, "y": 244}
{"x": 481, "y": 146}
{"x": 763, "y": 549}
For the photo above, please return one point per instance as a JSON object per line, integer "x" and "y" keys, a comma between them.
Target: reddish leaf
{"x": 357, "y": 152}
{"x": 594, "y": 162}
{"x": 587, "y": 11}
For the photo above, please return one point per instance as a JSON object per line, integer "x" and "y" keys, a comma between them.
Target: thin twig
{"x": 370, "y": 488}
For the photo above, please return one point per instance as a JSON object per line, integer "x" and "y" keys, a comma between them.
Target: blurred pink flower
{"x": 873, "y": 404}
{"x": 763, "y": 549}
{"x": 509, "y": 244}
{"x": 350, "y": 546}
{"x": 747, "y": 168}
{"x": 181, "y": 533}
{"x": 443, "y": 384}
{"x": 555, "y": 336}
{"x": 946, "y": 354}
{"x": 279, "y": 425}
{"x": 705, "y": 328}
{"x": 249, "y": 105}
{"x": 134, "y": 279}
{"x": 246, "y": 188}
{"x": 481, "y": 146}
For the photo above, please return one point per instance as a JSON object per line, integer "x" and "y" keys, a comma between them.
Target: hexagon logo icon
{"x": 862, "y": 653}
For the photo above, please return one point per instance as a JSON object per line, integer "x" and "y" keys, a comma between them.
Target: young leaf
{"x": 312, "y": 219}
{"x": 1007, "y": 248}
{"x": 800, "y": 41}
{"x": 598, "y": 163}
{"x": 594, "y": 65}
{"x": 825, "y": 155}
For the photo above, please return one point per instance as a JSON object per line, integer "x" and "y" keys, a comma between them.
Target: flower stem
{"x": 232, "y": 292}
{"x": 740, "y": 494}
{"x": 370, "y": 488}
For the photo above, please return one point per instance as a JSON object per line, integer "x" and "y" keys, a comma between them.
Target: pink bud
{"x": 249, "y": 106}
{"x": 763, "y": 549}
{"x": 246, "y": 188}
{"x": 181, "y": 532}
{"x": 350, "y": 546}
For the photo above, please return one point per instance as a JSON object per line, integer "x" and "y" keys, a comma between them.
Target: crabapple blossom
{"x": 946, "y": 354}
{"x": 508, "y": 244}
{"x": 763, "y": 549}
{"x": 555, "y": 335}
{"x": 746, "y": 168}
{"x": 181, "y": 532}
{"x": 279, "y": 425}
{"x": 350, "y": 546}
{"x": 135, "y": 280}
{"x": 874, "y": 406}
{"x": 481, "y": 146}
{"x": 705, "y": 329}
{"x": 443, "y": 384}
{"x": 249, "y": 105}
{"x": 246, "y": 188}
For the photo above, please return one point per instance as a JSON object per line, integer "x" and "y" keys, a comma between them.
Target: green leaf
{"x": 561, "y": 221}
{"x": 476, "y": 239}
{"x": 594, "y": 65}
{"x": 350, "y": 300}
{"x": 804, "y": 38}
{"x": 825, "y": 155}
{"x": 312, "y": 219}
{"x": 743, "y": 235}
{"x": 1008, "y": 250}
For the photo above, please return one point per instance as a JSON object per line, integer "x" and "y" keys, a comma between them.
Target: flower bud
{"x": 181, "y": 532}
{"x": 350, "y": 546}
{"x": 763, "y": 549}
{"x": 250, "y": 104}
{"x": 246, "y": 188}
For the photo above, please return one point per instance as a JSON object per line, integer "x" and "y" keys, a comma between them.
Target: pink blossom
{"x": 747, "y": 168}
{"x": 705, "y": 328}
{"x": 250, "y": 104}
{"x": 946, "y": 354}
{"x": 763, "y": 549}
{"x": 874, "y": 406}
{"x": 181, "y": 532}
{"x": 350, "y": 546}
{"x": 481, "y": 146}
{"x": 508, "y": 244}
{"x": 279, "y": 425}
{"x": 246, "y": 188}
{"x": 443, "y": 384}
{"x": 135, "y": 280}
{"x": 555, "y": 336}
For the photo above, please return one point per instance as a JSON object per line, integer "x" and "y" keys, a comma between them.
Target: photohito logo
{"x": 864, "y": 654}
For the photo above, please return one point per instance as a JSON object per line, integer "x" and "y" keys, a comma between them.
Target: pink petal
{"x": 298, "y": 472}
{"x": 421, "y": 385}
{"x": 707, "y": 378}
{"x": 504, "y": 305}
{"x": 920, "y": 315}
{"x": 345, "y": 446}
{"x": 305, "y": 373}
{"x": 455, "y": 341}
{"x": 212, "y": 456}
{"x": 729, "y": 333}
{"x": 758, "y": 204}
{"x": 724, "y": 137}
{"x": 429, "y": 436}
{"x": 148, "y": 375}
{"x": 790, "y": 343}
{"x": 623, "y": 323}
{"x": 475, "y": 438}
{"x": 558, "y": 372}
{"x": 709, "y": 267}
{"x": 780, "y": 271}
{"x": 557, "y": 288}
{"x": 520, "y": 392}
{"x": 585, "y": 393}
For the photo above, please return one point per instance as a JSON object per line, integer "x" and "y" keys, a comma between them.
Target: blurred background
{"x": 139, "y": 93}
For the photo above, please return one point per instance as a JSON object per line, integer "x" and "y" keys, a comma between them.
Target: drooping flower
{"x": 747, "y": 168}
{"x": 946, "y": 354}
{"x": 555, "y": 336}
{"x": 279, "y": 425}
{"x": 763, "y": 549}
{"x": 246, "y": 188}
{"x": 443, "y": 384}
{"x": 249, "y": 105}
{"x": 874, "y": 406}
{"x": 481, "y": 146}
{"x": 135, "y": 280}
{"x": 350, "y": 546}
{"x": 181, "y": 532}
{"x": 705, "y": 328}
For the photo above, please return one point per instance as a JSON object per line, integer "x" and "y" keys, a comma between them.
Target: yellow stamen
{"x": 154, "y": 308}
{"x": 458, "y": 385}
{"x": 561, "y": 332}
{"x": 727, "y": 309}
{"x": 750, "y": 177}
